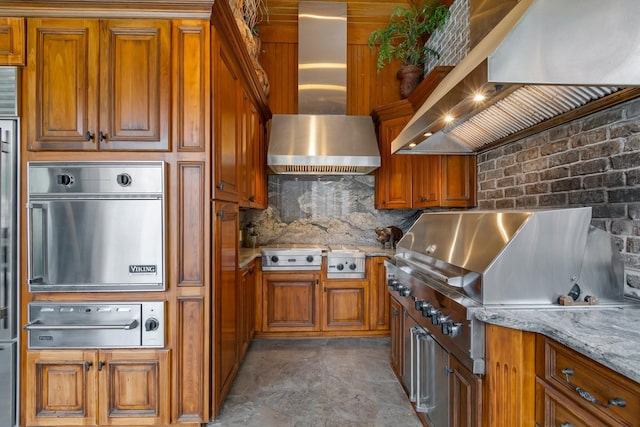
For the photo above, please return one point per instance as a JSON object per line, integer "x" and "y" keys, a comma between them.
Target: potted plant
{"x": 405, "y": 39}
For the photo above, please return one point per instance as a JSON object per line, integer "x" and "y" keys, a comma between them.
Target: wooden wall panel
{"x": 510, "y": 377}
{"x": 192, "y": 373}
{"x": 191, "y": 223}
{"x": 280, "y": 62}
{"x": 191, "y": 88}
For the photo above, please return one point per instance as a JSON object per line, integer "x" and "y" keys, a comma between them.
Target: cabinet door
{"x": 246, "y": 307}
{"x": 135, "y": 84}
{"x": 425, "y": 181}
{"x": 62, "y": 84}
{"x": 458, "y": 181}
{"x": 290, "y": 302}
{"x": 465, "y": 396}
{"x": 379, "y": 306}
{"x": 134, "y": 387}
{"x": 12, "y": 38}
{"x": 226, "y": 125}
{"x": 260, "y": 164}
{"x": 62, "y": 388}
{"x": 396, "y": 336}
{"x": 225, "y": 296}
{"x": 345, "y": 305}
{"x": 393, "y": 177}
{"x": 555, "y": 409}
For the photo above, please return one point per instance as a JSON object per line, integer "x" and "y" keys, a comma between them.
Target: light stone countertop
{"x": 610, "y": 336}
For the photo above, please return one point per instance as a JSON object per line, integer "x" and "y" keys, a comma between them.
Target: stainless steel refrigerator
{"x": 9, "y": 298}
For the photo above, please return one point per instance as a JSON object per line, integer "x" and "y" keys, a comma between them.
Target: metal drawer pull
{"x": 616, "y": 401}
{"x": 38, "y": 326}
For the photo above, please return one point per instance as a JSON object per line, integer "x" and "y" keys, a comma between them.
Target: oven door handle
{"x": 39, "y": 326}
{"x": 31, "y": 279}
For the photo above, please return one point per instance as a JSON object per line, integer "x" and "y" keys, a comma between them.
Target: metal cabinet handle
{"x": 252, "y": 198}
{"x": 616, "y": 401}
{"x": 220, "y": 186}
{"x": 103, "y": 137}
{"x": 87, "y": 366}
{"x": 31, "y": 207}
{"x": 100, "y": 365}
{"x": 39, "y": 326}
{"x": 90, "y": 136}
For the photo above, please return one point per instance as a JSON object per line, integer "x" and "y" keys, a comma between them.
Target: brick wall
{"x": 594, "y": 161}
{"x": 452, "y": 40}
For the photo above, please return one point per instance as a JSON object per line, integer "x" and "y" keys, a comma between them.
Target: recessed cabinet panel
{"x": 290, "y": 302}
{"x": 12, "y": 41}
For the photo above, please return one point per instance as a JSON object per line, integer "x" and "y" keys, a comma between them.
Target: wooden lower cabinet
{"x": 97, "y": 387}
{"x": 465, "y": 396}
{"x": 379, "y": 295}
{"x": 246, "y": 307}
{"x": 291, "y": 301}
{"x": 396, "y": 336}
{"x": 344, "y": 305}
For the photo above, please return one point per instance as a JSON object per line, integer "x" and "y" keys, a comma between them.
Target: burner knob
{"x": 309, "y": 258}
{"x": 405, "y": 292}
{"x": 151, "y": 324}
{"x": 453, "y": 329}
{"x": 428, "y": 310}
{"x": 421, "y": 304}
{"x": 434, "y": 315}
{"x": 274, "y": 258}
{"x": 393, "y": 283}
{"x": 340, "y": 267}
{"x": 352, "y": 266}
{"x": 399, "y": 287}
{"x": 439, "y": 318}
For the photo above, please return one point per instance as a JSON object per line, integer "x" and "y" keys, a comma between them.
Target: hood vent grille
{"x": 323, "y": 170}
{"x": 525, "y": 107}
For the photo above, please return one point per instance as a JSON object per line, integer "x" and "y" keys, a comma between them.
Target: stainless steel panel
{"x": 437, "y": 382}
{"x": 322, "y": 57}
{"x": 8, "y": 372}
{"x": 8, "y": 92}
{"x": 95, "y": 325}
{"x": 95, "y": 226}
{"x": 8, "y": 227}
{"x": 92, "y": 245}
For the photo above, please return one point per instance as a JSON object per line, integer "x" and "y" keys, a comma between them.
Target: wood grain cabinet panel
{"x": 119, "y": 387}
{"x": 12, "y": 41}
{"x": 563, "y": 369}
{"x": 396, "y": 316}
{"x": 225, "y": 300}
{"x": 191, "y": 74}
{"x": 226, "y": 123}
{"x": 465, "y": 396}
{"x": 98, "y": 84}
{"x": 425, "y": 181}
{"x": 291, "y": 302}
{"x": 379, "y": 296}
{"x": 458, "y": 188}
{"x": 393, "y": 177}
{"x": 64, "y": 388}
{"x": 345, "y": 305}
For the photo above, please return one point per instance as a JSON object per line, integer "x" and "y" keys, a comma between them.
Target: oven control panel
{"x": 96, "y": 324}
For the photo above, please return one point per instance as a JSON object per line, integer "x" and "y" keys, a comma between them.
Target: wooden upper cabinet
{"x": 425, "y": 181}
{"x": 458, "y": 187}
{"x": 12, "y": 41}
{"x": 393, "y": 177}
{"x": 98, "y": 84}
{"x": 226, "y": 124}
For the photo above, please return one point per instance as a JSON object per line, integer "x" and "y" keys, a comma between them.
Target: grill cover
{"x": 516, "y": 257}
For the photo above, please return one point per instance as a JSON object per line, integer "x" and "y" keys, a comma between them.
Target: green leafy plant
{"x": 403, "y": 38}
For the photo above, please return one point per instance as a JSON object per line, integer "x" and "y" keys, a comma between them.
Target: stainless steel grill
{"x": 449, "y": 263}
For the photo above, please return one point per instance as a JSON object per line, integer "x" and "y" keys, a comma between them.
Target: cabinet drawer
{"x": 555, "y": 409}
{"x": 570, "y": 371}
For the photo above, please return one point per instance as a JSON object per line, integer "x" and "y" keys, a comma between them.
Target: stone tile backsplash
{"x": 326, "y": 210}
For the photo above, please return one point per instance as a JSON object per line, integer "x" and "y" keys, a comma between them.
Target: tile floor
{"x": 338, "y": 382}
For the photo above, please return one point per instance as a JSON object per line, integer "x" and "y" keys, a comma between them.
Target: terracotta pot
{"x": 410, "y": 77}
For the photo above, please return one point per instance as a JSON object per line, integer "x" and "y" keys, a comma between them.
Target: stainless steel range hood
{"x": 545, "y": 58}
{"x": 322, "y": 139}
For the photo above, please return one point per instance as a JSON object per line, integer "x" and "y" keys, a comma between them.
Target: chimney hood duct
{"x": 545, "y": 58}
{"x": 322, "y": 139}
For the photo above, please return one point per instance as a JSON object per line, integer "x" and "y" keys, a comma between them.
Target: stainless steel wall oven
{"x": 96, "y": 226}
